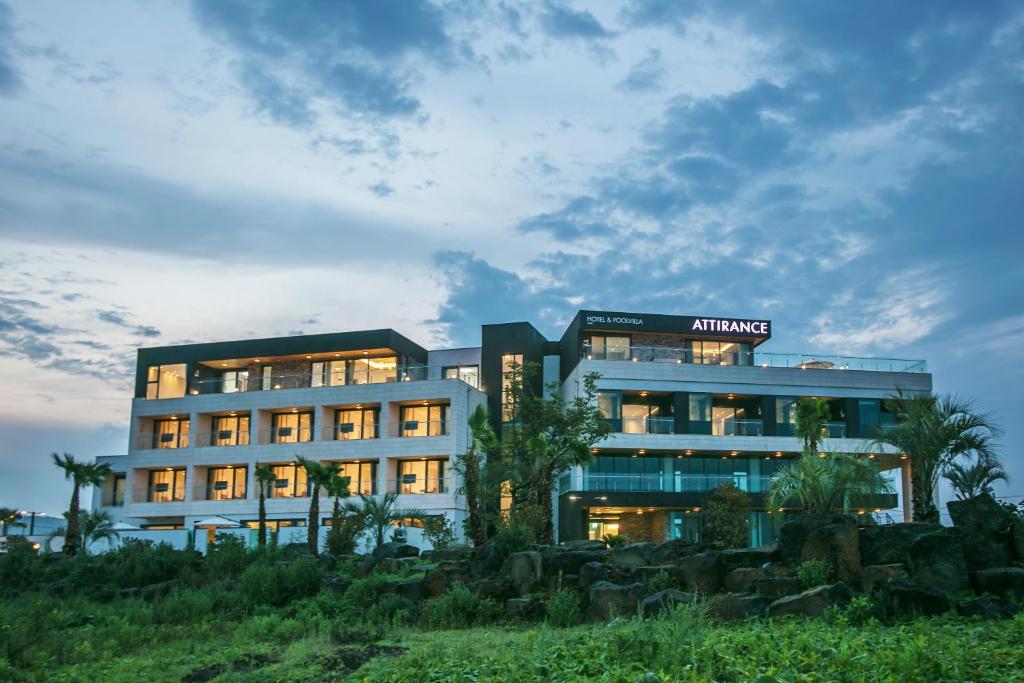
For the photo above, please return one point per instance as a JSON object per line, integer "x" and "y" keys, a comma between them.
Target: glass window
{"x": 226, "y": 483}
{"x": 289, "y": 481}
{"x": 117, "y": 490}
{"x": 700, "y": 407}
{"x": 292, "y": 427}
{"x": 470, "y": 374}
{"x": 610, "y": 404}
{"x": 232, "y": 430}
{"x": 424, "y": 420}
{"x": 421, "y": 476}
{"x": 511, "y": 369}
{"x": 170, "y": 433}
{"x": 355, "y": 423}
{"x": 785, "y": 410}
{"x": 274, "y": 524}
{"x": 166, "y": 486}
{"x": 233, "y": 381}
{"x": 267, "y": 373}
{"x": 328, "y": 374}
{"x": 607, "y": 347}
{"x": 165, "y": 381}
{"x": 362, "y": 477}
{"x": 373, "y": 370}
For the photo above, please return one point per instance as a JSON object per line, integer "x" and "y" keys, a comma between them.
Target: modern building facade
{"x": 693, "y": 402}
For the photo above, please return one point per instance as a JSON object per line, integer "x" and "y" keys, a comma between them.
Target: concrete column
{"x": 908, "y": 490}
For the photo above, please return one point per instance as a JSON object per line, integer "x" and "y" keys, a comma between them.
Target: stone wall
{"x": 650, "y": 526}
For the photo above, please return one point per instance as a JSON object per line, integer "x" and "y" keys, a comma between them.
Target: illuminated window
{"x": 330, "y": 374}
{"x": 511, "y": 375}
{"x": 226, "y": 483}
{"x": 165, "y": 381}
{"x": 421, "y": 476}
{"x": 470, "y": 374}
{"x": 424, "y": 421}
{"x": 232, "y": 381}
{"x": 170, "y": 433}
{"x": 230, "y": 431}
{"x": 292, "y": 428}
{"x": 607, "y": 347}
{"x": 166, "y": 486}
{"x": 355, "y": 423}
{"x": 362, "y": 477}
{"x": 373, "y": 370}
{"x": 289, "y": 481}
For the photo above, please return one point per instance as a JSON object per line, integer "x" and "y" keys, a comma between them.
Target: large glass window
{"x": 373, "y": 370}
{"x": 785, "y": 410}
{"x": 267, "y": 375}
{"x": 700, "y": 407}
{"x": 289, "y": 481}
{"x": 737, "y": 416}
{"x": 166, "y": 486}
{"x": 226, "y": 483}
{"x": 873, "y": 415}
{"x": 328, "y": 374}
{"x": 511, "y": 373}
{"x": 424, "y": 421}
{"x": 721, "y": 353}
{"x": 292, "y": 427}
{"x": 362, "y": 477}
{"x": 607, "y": 347}
{"x": 685, "y": 524}
{"x": 165, "y": 381}
{"x": 232, "y": 381}
{"x": 421, "y": 476}
{"x": 470, "y": 374}
{"x": 625, "y": 473}
{"x": 356, "y": 423}
{"x": 230, "y": 430}
{"x": 170, "y": 433}
{"x": 117, "y": 490}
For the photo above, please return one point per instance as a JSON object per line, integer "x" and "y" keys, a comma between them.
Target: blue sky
{"x": 191, "y": 171}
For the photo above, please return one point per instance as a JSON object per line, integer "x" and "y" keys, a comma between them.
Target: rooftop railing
{"x": 642, "y": 425}
{"x": 307, "y": 380}
{"x": 746, "y": 357}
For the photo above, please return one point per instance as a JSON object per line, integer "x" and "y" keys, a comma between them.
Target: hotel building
{"x": 693, "y": 402}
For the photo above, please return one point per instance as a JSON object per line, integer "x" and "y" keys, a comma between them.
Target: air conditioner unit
{"x": 411, "y": 425}
{"x": 161, "y": 488}
{"x": 224, "y": 434}
{"x": 346, "y": 427}
{"x": 284, "y": 431}
{"x": 167, "y": 438}
{"x": 220, "y": 485}
{"x": 280, "y": 483}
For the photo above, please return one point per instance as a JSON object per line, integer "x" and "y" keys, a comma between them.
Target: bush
{"x": 563, "y": 608}
{"x": 727, "y": 517}
{"x": 343, "y": 536}
{"x": 859, "y": 612}
{"x": 459, "y": 607}
{"x": 279, "y": 583}
{"x": 439, "y": 531}
{"x": 813, "y": 573}
{"x": 185, "y": 606}
{"x": 227, "y": 556}
{"x": 612, "y": 540}
{"x": 660, "y": 581}
{"x": 511, "y": 538}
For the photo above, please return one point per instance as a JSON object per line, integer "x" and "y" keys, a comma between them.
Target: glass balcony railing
{"x": 412, "y": 486}
{"x": 737, "y": 427}
{"x": 219, "y": 490}
{"x": 665, "y": 354}
{"x": 159, "y": 493}
{"x": 420, "y": 428}
{"x": 285, "y": 435}
{"x": 643, "y": 425}
{"x": 223, "y": 437}
{"x": 674, "y": 482}
{"x": 352, "y": 431}
{"x": 834, "y": 430}
{"x": 145, "y": 441}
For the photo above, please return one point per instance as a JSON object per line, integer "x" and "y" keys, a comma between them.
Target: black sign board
{"x": 675, "y": 324}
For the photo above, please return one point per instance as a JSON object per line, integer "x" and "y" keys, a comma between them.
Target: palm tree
{"x": 8, "y": 518}
{"x": 470, "y": 467}
{"x": 826, "y": 485}
{"x": 379, "y": 513}
{"x": 811, "y": 423}
{"x": 265, "y": 476}
{"x": 81, "y": 474}
{"x": 318, "y": 475}
{"x": 935, "y": 432}
{"x": 92, "y": 526}
{"x": 971, "y": 481}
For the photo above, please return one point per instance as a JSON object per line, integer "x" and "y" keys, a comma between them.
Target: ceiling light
{"x": 308, "y": 356}
{"x": 223, "y": 365}
{"x": 255, "y": 360}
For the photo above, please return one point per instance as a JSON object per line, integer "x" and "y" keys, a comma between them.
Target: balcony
{"x": 410, "y": 485}
{"x": 834, "y": 430}
{"x": 352, "y": 431}
{"x": 664, "y": 354}
{"x": 737, "y": 427}
{"x": 145, "y": 441}
{"x": 412, "y": 428}
{"x": 159, "y": 493}
{"x": 643, "y": 425}
{"x": 112, "y": 499}
{"x": 308, "y": 380}
{"x": 284, "y": 435}
{"x": 675, "y": 482}
{"x": 223, "y": 437}
{"x": 219, "y": 490}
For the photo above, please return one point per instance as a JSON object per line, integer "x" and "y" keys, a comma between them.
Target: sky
{"x": 223, "y": 169}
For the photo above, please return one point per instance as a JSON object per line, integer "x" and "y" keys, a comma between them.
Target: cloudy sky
{"x": 217, "y": 169}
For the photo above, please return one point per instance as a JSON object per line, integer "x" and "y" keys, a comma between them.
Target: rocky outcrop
{"x": 445, "y": 574}
{"x": 413, "y": 590}
{"x": 936, "y": 559}
{"x": 395, "y": 550}
{"x": 531, "y": 607}
{"x": 664, "y": 601}
{"x": 775, "y": 587}
{"x": 813, "y": 602}
{"x": 559, "y": 561}
{"x": 673, "y": 551}
{"x": 703, "y": 572}
{"x": 496, "y": 588}
{"x": 750, "y": 557}
{"x": 838, "y": 545}
{"x": 742, "y": 579}
{"x": 914, "y": 597}
{"x": 872, "y": 575}
{"x": 632, "y": 554}
{"x": 523, "y": 571}
{"x": 584, "y": 545}
{"x": 985, "y": 525}
{"x": 988, "y": 608}
{"x": 890, "y": 543}
{"x": 1001, "y": 581}
{"x": 609, "y": 600}
{"x": 794, "y": 532}
{"x": 734, "y": 607}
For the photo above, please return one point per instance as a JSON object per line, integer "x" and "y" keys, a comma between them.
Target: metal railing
{"x": 145, "y": 441}
{"x": 284, "y": 435}
{"x": 413, "y": 486}
{"x": 643, "y": 425}
{"x": 834, "y": 430}
{"x": 159, "y": 493}
{"x": 289, "y": 490}
{"x": 351, "y": 431}
{"x": 737, "y": 427}
{"x": 410, "y": 428}
{"x": 674, "y": 482}
{"x": 217, "y": 492}
{"x": 222, "y": 437}
{"x": 743, "y": 357}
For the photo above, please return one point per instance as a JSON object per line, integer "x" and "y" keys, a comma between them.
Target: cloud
{"x": 10, "y": 81}
{"x": 119, "y": 319}
{"x": 560, "y": 20}
{"x": 647, "y": 74}
{"x": 579, "y": 219}
{"x": 381, "y": 189}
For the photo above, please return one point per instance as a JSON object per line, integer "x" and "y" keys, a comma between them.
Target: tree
{"x": 826, "y": 485}
{"x": 340, "y": 539}
{"x": 471, "y": 468}
{"x": 378, "y": 513}
{"x": 812, "y": 416}
{"x": 935, "y": 432}
{"x": 545, "y": 435}
{"x": 265, "y": 476}
{"x": 92, "y": 527}
{"x": 727, "y": 517}
{"x": 974, "y": 479}
{"x": 8, "y": 518}
{"x": 81, "y": 474}
{"x": 318, "y": 475}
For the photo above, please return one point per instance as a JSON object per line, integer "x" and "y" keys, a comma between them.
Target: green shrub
{"x": 184, "y": 606}
{"x": 813, "y": 573}
{"x": 439, "y": 531}
{"x": 459, "y": 607}
{"x": 612, "y": 540}
{"x": 726, "y": 517}
{"x": 661, "y": 581}
{"x": 563, "y": 608}
{"x": 226, "y": 556}
{"x": 279, "y": 583}
{"x": 859, "y": 612}
{"x": 511, "y": 538}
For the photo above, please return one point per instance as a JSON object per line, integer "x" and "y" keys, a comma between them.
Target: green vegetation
{"x": 813, "y": 573}
{"x": 727, "y": 517}
{"x": 81, "y": 474}
{"x": 973, "y": 479}
{"x": 832, "y": 482}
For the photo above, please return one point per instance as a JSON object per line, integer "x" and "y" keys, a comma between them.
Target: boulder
{"x": 584, "y": 545}
{"x": 413, "y": 590}
{"x": 794, "y": 532}
{"x": 497, "y": 588}
{"x": 672, "y": 551}
{"x": 742, "y": 579}
{"x": 734, "y": 607}
{"x": 871, "y": 575}
{"x": 915, "y": 597}
{"x": 936, "y": 559}
{"x": 395, "y": 550}
{"x": 456, "y": 554}
{"x": 988, "y": 608}
{"x": 703, "y": 572}
{"x": 525, "y": 608}
{"x": 557, "y": 561}
{"x": 750, "y": 557}
{"x": 632, "y": 554}
{"x": 393, "y": 565}
{"x": 813, "y": 602}
{"x": 664, "y": 601}
{"x": 523, "y": 571}
{"x": 775, "y": 587}
{"x": 485, "y": 560}
{"x": 890, "y": 543}
{"x": 985, "y": 528}
{"x": 1001, "y": 581}
{"x": 609, "y": 600}
{"x": 644, "y": 574}
{"x": 437, "y": 580}
{"x": 591, "y": 573}
{"x": 838, "y": 545}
